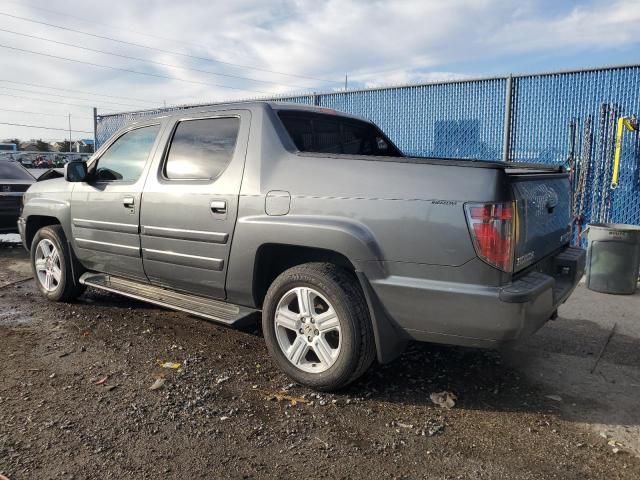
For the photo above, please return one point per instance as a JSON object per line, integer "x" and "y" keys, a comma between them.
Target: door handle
{"x": 128, "y": 202}
{"x": 219, "y": 206}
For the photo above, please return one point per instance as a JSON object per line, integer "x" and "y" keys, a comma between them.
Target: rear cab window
{"x": 314, "y": 132}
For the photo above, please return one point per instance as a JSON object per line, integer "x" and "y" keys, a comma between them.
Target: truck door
{"x": 190, "y": 202}
{"x": 105, "y": 210}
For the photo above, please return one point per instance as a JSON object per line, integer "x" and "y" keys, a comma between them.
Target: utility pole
{"x": 69, "y": 133}
{"x": 95, "y": 129}
{"x": 346, "y": 81}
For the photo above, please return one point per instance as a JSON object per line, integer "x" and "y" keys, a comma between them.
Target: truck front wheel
{"x": 51, "y": 262}
{"x": 316, "y": 325}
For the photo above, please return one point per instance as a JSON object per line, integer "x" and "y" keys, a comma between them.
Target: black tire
{"x": 357, "y": 350}
{"x": 68, "y": 287}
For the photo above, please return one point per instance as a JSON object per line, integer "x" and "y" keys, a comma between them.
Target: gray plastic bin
{"x": 613, "y": 257}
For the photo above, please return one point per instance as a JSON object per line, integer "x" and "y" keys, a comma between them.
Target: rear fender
{"x": 349, "y": 238}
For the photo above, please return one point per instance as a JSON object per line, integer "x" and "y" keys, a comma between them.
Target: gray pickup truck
{"x": 348, "y": 248}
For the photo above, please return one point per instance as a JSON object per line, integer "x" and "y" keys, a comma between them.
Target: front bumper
{"x": 481, "y": 316}
{"x": 21, "y": 230}
{"x": 9, "y": 211}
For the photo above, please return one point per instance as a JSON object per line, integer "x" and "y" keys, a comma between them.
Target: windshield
{"x": 13, "y": 171}
{"x": 335, "y": 134}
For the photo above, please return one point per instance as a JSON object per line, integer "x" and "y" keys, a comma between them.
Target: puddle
{"x": 14, "y": 318}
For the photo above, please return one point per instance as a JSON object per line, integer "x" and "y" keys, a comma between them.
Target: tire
{"x": 54, "y": 275}
{"x": 327, "y": 345}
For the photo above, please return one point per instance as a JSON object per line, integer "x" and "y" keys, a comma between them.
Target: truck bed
{"x": 513, "y": 167}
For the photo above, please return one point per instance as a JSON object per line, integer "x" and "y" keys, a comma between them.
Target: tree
{"x": 15, "y": 141}
{"x": 43, "y": 146}
{"x": 63, "y": 146}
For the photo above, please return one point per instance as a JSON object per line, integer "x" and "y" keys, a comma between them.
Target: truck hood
{"x": 50, "y": 174}
{"x": 54, "y": 185}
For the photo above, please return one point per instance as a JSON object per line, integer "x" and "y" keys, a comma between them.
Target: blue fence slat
{"x": 545, "y": 105}
{"x": 455, "y": 120}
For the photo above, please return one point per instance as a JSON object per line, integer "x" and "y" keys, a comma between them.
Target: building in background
{"x": 84, "y": 145}
{"x": 8, "y": 147}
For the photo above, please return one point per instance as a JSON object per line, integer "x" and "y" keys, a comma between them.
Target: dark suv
{"x": 14, "y": 181}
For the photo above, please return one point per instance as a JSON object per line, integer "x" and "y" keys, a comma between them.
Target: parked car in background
{"x": 14, "y": 181}
{"x": 43, "y": 162}
{"x": 26, "y": 161}
{"x": 349, "y": 248}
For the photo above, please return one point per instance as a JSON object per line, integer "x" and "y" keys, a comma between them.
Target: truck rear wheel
{"x": 316, "y": 325}
{"x": 51, "y": 262}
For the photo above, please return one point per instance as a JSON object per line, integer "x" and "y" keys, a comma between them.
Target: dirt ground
{"x": 75, "y": 399}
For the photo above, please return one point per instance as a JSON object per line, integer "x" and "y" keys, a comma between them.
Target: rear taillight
{"x": 492, "y": 228}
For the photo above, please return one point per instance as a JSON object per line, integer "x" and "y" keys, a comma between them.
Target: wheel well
{"x": 273, "y": 259}
{"x": 35, "y": 223}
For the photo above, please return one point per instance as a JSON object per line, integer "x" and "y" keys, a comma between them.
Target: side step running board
{"x": 215, "y": 310}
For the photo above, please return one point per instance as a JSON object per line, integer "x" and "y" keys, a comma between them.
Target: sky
{"x": 124, "y": 55}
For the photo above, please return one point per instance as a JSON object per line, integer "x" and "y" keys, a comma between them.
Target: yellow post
{"x": 631, "y": 125}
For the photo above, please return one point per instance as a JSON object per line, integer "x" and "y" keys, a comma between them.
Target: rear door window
{"x": 201, "y": 149}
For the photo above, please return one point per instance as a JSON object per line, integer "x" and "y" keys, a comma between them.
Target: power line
{"x": 48, "y": 101}
{"x": 94, "y": 22}
{"x": 67, "y": 96}
{"x": 129, "y": 70}
{"x": 43, "y": 127}
{"x": 81, "y": 92}
{"x": 42, "y": 113}
{"x": 104, "y": 52}
{"x": 171, "y": 52}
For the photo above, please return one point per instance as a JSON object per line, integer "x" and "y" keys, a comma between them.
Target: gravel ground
{"x": 75, "y": 402}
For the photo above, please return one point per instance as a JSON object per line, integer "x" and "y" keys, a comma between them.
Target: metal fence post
{"x": 506, "y": 134}
{"x": 95, "y": 129}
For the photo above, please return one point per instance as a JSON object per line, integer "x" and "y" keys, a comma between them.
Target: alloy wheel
{"x": 48, "y": 265}
{"x": 308, "y": 330}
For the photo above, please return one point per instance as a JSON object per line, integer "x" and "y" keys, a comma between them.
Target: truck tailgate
{"x": 543, "y": 203}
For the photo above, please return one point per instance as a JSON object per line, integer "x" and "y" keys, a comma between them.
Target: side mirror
{"x": 75, "y": 171}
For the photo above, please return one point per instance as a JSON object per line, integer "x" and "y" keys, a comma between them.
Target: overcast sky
{"x": 278, "y": 46}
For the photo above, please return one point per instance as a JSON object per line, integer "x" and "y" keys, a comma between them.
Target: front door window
{"x": 126, "y": 157}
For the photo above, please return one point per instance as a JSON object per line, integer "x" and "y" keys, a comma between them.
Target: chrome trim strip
{"x": 107, "y": 244}
{"x": 101, "y": 225}
{"x": 184, "y": 259}
{"x": 185, "y": 234}
{"x": 165, "y": 252}
{"x": 11, "y": 194}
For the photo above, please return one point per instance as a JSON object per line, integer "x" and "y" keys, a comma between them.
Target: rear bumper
{"x": 480, "y": 316}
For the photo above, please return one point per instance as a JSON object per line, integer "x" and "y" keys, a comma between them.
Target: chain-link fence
{"x": 559, "y": 116}
{"x": 551, "y": 118}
